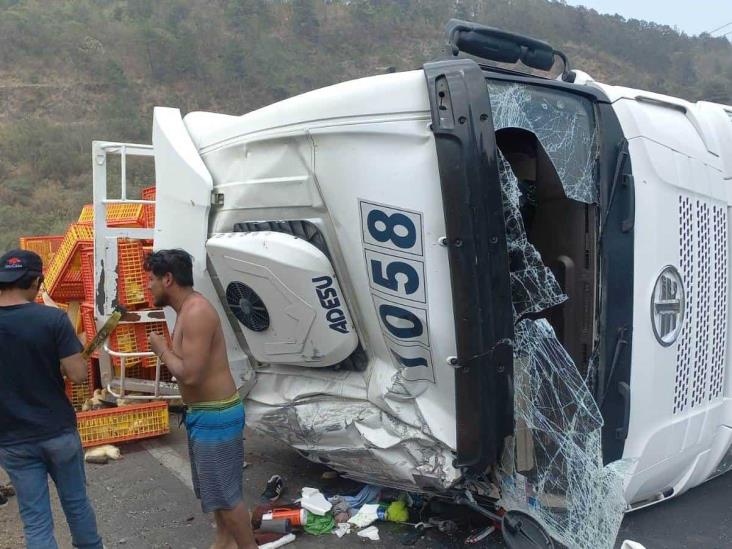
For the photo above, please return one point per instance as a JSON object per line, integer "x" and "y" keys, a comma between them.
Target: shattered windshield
{"x": 552, "y": 468}
{"x": 563, "y": 123}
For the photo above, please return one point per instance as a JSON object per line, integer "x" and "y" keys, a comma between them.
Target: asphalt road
{"x": 145, "y": 501}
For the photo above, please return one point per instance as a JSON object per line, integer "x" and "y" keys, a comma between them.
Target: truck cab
{"x": 465, "y": 278}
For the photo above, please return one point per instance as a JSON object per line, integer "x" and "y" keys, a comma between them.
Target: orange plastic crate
{"x": 132, "y": 338}
{"x": 87, "y": 274}
{"x": 87, "y": 214}
{"x": 142, "y": 332}
{"x": 44, "y": 246}
{"x": 88, "y": 324}
{"x": 78, "y": 393}
{"x": 116, "y": 425}
{"x": 118, "y": 215}
{"x": 148, "y": 193}
{"x": 132, "y": 280}
{"x": 63, "y": 276}
{"x": 124, "y": 340}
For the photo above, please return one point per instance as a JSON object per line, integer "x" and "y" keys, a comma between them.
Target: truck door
{"x": 478, "y": 258}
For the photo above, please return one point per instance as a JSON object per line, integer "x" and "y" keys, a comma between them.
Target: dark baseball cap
{"x": 15, "y": 263}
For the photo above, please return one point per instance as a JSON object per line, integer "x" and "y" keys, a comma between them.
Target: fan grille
{"x": 247, "y": 306}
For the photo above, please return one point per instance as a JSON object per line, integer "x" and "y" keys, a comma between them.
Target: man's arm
{"x": 74, "y": 367}
{"x": 69, "y": 347}
{"x": 199, "y": 328}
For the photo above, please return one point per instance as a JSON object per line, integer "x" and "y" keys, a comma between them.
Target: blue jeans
{"x": 28, "y": 466}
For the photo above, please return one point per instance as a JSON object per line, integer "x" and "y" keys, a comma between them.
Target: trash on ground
{"x": 318, "y": 525}
{"x": 102, "y": 454}
{"x": 368, "y": 494}
{"x": 342, "y": 529}
{"x": 314, "y": 501}
{"x": 372, "y": 533}
{"x": 277, "y": 526}
{"x": 274, "y": 488}
{"x": 284, "y": 540}
{"x": 367, "y": 515}
{"x": 297, "y": 517}
{"x": 397, "y": 511}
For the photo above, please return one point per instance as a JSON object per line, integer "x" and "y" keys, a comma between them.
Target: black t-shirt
{"x": 33, "y": 405}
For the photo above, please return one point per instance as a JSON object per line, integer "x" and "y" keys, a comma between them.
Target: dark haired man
{"x": 38, "y": 435}
{"x": 215, "y": 413}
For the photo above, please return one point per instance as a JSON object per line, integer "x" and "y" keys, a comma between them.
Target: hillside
{"x": 76, "y": 70}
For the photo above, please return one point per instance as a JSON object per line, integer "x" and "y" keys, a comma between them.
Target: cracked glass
{"x": 533, "y": 286}
{"x": 552, "y": 468}
{"x": 563, "y": 123}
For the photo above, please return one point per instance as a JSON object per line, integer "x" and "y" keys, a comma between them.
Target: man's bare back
{"x": 199, "y": 341}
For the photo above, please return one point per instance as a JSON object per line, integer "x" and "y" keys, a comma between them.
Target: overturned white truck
{"x": 470, "y": 280}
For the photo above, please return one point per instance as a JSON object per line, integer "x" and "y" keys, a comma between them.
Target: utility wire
{"x": 720, "y": 28}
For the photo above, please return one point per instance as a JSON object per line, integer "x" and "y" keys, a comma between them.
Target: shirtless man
{"x": 215, "y": 413}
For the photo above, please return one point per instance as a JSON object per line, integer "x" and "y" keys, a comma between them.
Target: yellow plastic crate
{"x": 125, "y": 423}
{"x": 65, "y": 268}
{"x": 87, "y": 214}
{"x": 78, "y": 393}
{"x": 132, "y": 280}
{"x": 44, "y": 246}
{"x": 118, "y": 215}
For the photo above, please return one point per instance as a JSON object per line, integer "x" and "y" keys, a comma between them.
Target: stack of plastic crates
{"x": 70, "y": 282}
{"x": 63, "y": 276}
{"x": 116, "y": 425}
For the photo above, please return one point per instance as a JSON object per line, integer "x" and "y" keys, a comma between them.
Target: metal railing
{"x": 106, "y": 272}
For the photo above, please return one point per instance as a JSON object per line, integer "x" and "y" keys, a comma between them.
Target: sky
{"x": 690, "y": 16}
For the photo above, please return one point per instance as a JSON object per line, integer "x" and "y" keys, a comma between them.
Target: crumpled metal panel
{"x": 533, "y": 286}
{"x": 554, "y": 468}
{"x": 358, "y": 438}
{"x": 564, "y": 124}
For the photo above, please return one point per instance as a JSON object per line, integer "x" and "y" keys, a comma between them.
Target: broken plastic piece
{"x": 342, "y": 529}
{"x": 366, "y": 516}
{"x": 315, "y": 502}
{"x": 372, "y": 533}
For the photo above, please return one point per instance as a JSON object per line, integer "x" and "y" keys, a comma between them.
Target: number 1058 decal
{"x": 394, "y": 254}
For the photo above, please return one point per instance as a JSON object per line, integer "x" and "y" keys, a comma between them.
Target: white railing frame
{"x": 105, "y": 266}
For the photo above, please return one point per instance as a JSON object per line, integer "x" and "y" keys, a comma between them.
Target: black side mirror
{"x": 503, "y": 46}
